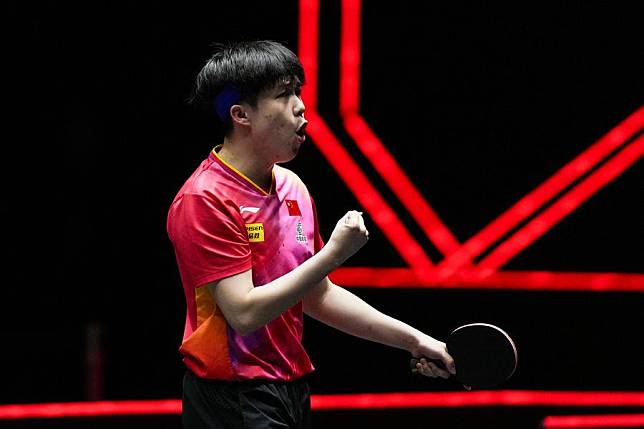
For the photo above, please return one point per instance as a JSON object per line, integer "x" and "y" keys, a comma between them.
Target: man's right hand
{"x": 349, "y": 235}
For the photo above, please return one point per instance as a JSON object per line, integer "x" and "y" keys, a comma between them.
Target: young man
{"x": 251, "y": 258}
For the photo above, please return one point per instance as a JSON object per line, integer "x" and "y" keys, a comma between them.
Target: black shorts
{"x": 248, "y": 404}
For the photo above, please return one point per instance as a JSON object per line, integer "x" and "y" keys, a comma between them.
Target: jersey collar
{"x": 215, "y": 156}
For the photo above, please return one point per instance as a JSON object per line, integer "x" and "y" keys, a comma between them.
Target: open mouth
{"x": 300, "y": 130}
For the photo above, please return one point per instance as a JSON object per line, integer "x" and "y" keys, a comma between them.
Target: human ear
{"x": 239, "y": 115}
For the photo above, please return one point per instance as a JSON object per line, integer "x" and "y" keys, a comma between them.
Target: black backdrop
{"x": 478, "y": 104}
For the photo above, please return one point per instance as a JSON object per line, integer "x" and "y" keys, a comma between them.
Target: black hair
{"x": 249, "y": 68}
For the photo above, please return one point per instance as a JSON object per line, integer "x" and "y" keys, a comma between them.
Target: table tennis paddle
{"x": 484, "y": 355}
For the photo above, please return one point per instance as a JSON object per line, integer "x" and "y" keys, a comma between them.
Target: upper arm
{"x": 209, "y": 238}
{"x": 231, "y": 296}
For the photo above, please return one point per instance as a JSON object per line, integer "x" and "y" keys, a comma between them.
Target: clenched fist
{"x": 349, "y": 235}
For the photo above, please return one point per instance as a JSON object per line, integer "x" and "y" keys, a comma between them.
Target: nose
{"x": 298, "y": 107}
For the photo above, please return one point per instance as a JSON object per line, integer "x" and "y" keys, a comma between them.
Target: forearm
{"x": 267, "y": 302}
{"x": 247, "y": 307}
{"x": 339, "y": 308}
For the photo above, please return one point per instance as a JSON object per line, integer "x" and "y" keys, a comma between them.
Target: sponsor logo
{"x": 300, "y": 233}
{"x": 243, "y": 209}
{"x": 255, "y": 232}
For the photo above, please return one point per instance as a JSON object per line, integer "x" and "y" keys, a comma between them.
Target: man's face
{"x": 276, "y": 122}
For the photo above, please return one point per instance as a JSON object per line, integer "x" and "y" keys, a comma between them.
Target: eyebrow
{"x": 287, "y": 86}
{"x": 290, "y": 82}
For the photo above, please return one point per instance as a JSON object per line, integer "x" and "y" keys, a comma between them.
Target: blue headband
{"x": 224, "y": 100}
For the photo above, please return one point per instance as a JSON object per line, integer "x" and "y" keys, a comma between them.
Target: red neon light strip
{"x": 89, "y": 409}
{"x": 350, "y": 56}
{"x": 594, "y": 421}
{"x": 562, "y": 207}
{"x": 337, "y": 156}
{"x": 505, "y": 280}
{"x": 308, "y": 34}
{"x": 370, "y": 145}
{"x": 309, "y": 12}
{"x": 413, "y": 201}
{"x": 477, "y": 399}
{"x": 529, "y": 204}
{"x": 359, "y": 401}
{"x": 381, "y": 214}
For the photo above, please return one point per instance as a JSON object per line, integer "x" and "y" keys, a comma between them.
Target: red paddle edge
{"x": 505, "y": 334}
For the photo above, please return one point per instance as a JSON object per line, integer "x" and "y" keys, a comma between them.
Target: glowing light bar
{"x": 594, "y": 421}
{"x": 497, "y": 398}
{"x": 400, "y": 184}
{"x": 563, "y": 207}
{"x": 338, "y": 157}
{"x": 511, "y": 398}
{"x": 350, "y": 55}
{"x": 533, "y": 201}
{"x": 308, "y": 35}
{"x": 367, "y": 195}
{"x": 370, "y": 145}
{"x": 456, "y": 270}
{"x": 504, "y": 280}
{"x": 89, "y": 409}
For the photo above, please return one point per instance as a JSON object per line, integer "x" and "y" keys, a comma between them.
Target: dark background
{"x": 478, "y": 104}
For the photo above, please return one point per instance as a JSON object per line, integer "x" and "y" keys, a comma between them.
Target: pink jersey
{"x": 222, "y": 224}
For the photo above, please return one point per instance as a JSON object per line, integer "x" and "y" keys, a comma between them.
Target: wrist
{"x": 413, "y": 341}
{"x": 330, "y": 257}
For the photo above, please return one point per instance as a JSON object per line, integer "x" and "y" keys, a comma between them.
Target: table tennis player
{"x": 251, "y": 259}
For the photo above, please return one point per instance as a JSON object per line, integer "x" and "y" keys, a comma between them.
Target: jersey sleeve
{"x": 317, "y": 238}
{"x": 210, "y": 240}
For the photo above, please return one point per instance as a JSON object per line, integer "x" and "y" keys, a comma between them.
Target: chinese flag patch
{"x": 293, "y": 208}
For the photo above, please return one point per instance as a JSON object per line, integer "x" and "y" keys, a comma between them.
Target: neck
{"x": 244, "y": 157}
